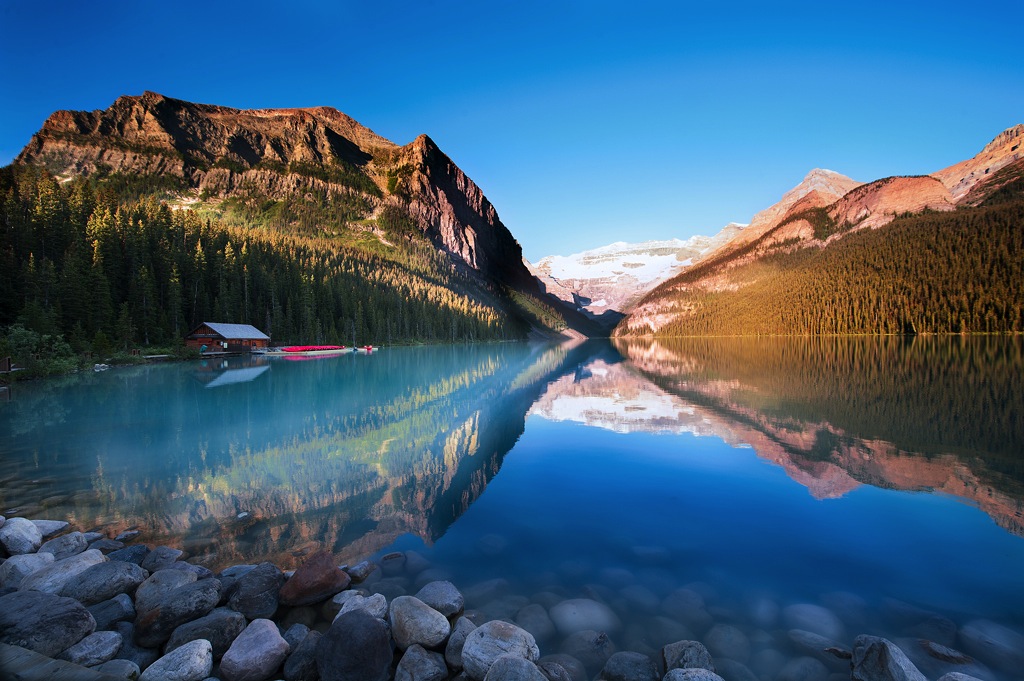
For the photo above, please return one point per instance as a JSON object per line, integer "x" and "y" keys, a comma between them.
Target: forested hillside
{"x": 105, "y": 271}
{"x": 937, "y": 272}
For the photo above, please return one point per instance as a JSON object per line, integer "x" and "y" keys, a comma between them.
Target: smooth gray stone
{"x": 43, "y": 622}
{"x": 514, "y": 668}
{"x": 691, "y": 674}
{"x": 221, "y": 627}
{"x": 159, "y": 558}
{"x": 229, "y": 576}
{"x": 154, "y": 626}
{"x": 120, "y": 608}
{"x": 19, "y": 536}
{"x": 104, "y": 581}
{"x": 143, "y": 657}
{"x": 443, "y": 597}
{"x": 560, "y": 667}
{"x": 255, "y": 595}
{"x": 127, "y": 535}
{"x": 49, "y": 528}
{"x": 803, "y": 669}
{"x": 877, "y": 659}
{"x": 456, "y": 640}
{"x": 106, "y": 545}
{"x": 96, "y": 648}
{"x": 814, "y": 644}
{"x": 52, "y": 579}
{"x": 958, "y": 676}
{"x": 419, "y": 664}
{"x": 91, "y": 537}
{"x": 131, "y": 554}
{"x": 158, "y": 585}
{"x": 301, "y": 664}
{"x": 687, "y": 655}
{"x": 65, "y": 546}
{"x": 255, "y": 654}
{"x": 120, "y": 669}
{"x": 294, "y": 635}
{"x": 626, "y": 666}
{"x": 16, "y": 568}
{"x": 413, "y": 621}
{"x": 191, "y": 662}
{"x": 360, "y": 571}
{"x": 375, "y": 605}
{"x": 731, "y": 670}
{"x": 490, "y": 641}
{"x": 198, "y": 570}
{"x": 356, "y": 647}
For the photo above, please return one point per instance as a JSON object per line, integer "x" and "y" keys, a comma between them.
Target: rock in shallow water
{"x": 443, "y": 597}
{"x": 316, "y": 580}
{"x": 579, "y": 614}
{"x": 876, "y": 659}
{"x": 813, "y": 618}
{"x": 687, "y": 655}
{"x": 691, "y": 674}
{"x": 413, "y": 621}
{"x": 490, "y": 641}
{"x": 357, "y": 647}
{"x": 255, "y": 654}
{"x": 419, "y": 664}
{"x": 993, "y": 644}
{"x": 626, "y": 666}
{"x": 43, "y": 622}
{"x": 514, "y": 668}
{"x": 191, "y": 662}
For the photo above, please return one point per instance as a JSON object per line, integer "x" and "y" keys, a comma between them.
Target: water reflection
{"x": 920, "y": 414}
{"x": 282, "y": 458}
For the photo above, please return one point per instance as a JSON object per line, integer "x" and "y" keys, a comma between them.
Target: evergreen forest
{"x": 102, "y": 264}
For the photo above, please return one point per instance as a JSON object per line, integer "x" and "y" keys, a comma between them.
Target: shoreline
{"x": 129, "y": 610}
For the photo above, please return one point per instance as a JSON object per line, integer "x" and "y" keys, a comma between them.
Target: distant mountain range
{"x": 707, "y": 284}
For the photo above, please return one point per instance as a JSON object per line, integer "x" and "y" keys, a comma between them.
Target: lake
{"x": 730, "y": 490}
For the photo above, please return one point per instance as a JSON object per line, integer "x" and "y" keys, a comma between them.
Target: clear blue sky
{"x": 585, "y": 122}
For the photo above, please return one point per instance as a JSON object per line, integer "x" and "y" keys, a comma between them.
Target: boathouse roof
{"x": 234, "y": 331}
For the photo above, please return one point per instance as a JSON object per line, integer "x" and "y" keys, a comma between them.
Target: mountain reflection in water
{"x": 349, "y": 453}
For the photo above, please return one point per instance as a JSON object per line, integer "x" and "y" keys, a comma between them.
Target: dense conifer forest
{"x": 953, "y": 272}
{"x": 104, "y": 265}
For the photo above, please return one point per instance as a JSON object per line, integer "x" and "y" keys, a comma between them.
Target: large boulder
{"x": 18, "y": 536}
{"x": 255, "y": 654}
{"x": 191, "y": 662}
{"x": 413, "y": 621}
{"x": 376, "y": 605}
{"x": 256, "y": 592}
{"x": 221, "y": 627}
{"x": 813, "y": 618}
{"x": 16, "y": 568}
{"x": 186, "y": 603}
{"x": 314, "y": 581}
{"x": 491, "y": 640}
{"x": 130, "y": 554}
{"x": 687, "y": 655}
{"x": 158, "y": 585}
{"x": 43, "y": 622}
{"x": 592, "y": 648}
{"x": 96, "y": 648}
{"x": 65, "y": 546}
{"x": 443, "y": 597}
{"x": 420, "y": 664}
{"x": 54, "y": 578}
{"x": 103, "y": 581}
{"x": 160, "y": 558}
{"x": 357, "y": 647}
{"x": 876, "y": 659}
{"x": 992, "y": 643}
{"x": 50, "y": 528}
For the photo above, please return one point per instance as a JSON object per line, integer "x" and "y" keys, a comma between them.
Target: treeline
{"x": 956, "y": 272}
{"x": 79, "y": 261}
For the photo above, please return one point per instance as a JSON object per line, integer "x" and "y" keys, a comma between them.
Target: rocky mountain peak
{"x": 1005, "y": 149}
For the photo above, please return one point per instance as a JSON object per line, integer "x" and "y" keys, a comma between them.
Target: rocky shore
{"x": 110, "y": 608}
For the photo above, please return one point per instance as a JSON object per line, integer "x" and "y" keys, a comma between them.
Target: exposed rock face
{"x": 876, "y": 204}
{"x": 961, "y": 177}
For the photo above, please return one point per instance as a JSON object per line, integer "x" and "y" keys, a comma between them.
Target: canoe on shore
{"x": 306, "y": 351}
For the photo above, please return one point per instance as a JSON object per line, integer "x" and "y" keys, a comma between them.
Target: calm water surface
{"x": 699, "y": 489}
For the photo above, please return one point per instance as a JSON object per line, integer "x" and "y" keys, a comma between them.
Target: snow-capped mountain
{"x": 604, "y": 282}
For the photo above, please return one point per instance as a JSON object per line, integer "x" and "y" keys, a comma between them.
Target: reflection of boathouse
{"x": 227, "y": 337}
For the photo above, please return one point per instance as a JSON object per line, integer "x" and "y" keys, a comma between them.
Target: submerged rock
{"x": 626, "y": 666}
{"x": 687, "y": 655}
{"x": 992, "y": 643}
{"x": 813, "y": 618}
{"x": 579, "y": 614}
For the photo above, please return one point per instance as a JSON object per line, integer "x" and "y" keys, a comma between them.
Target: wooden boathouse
{"x": 218, "y": 337}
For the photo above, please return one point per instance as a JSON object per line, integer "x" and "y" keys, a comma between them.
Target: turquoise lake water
{"x": 881, "y": 479}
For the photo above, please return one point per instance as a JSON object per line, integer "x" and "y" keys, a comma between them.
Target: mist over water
{"x": 688, "y": 486}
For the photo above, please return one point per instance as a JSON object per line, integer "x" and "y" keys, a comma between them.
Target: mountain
{"x": 313, "y": 175}
{"x": 605, "y": 282}
{"x": 817, "y": 262}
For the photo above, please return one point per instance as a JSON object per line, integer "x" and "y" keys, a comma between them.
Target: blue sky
{"x": 585, "y": 122}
